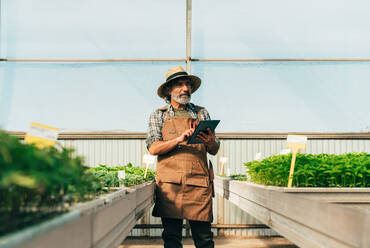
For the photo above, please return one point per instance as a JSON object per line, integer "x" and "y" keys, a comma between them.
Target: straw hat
{"x": 177, "y": 72}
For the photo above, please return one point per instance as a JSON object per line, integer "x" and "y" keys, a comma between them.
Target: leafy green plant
{"x": 321, "y": 170}
{"x": 239, "y": 177}
{"x": 35, "y": 183}
{"x": 134, "y": 175}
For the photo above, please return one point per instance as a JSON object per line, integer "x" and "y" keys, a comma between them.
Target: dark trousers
{"x": 200, "y": 231}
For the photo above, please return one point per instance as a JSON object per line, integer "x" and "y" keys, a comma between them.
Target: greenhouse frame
{"x": 91, "y": 70}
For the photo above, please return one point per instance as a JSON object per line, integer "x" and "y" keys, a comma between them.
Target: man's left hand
{"x": 207, "y": 138}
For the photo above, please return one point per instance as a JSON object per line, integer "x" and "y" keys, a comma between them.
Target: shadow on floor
{"x": 255, "y": 242}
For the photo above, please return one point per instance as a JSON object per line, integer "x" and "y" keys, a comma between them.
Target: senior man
{"x": 184, "y": 182}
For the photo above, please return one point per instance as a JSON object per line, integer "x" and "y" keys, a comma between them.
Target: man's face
{"x": 181, "y": 91}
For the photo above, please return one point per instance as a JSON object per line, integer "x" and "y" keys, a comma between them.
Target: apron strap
{"x": 198, "y": 112}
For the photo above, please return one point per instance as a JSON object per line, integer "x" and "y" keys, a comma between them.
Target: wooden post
{"x": 296, "y": 143}
{"x": 294, "y": 155}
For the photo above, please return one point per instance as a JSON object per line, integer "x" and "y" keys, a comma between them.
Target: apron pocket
{"x": 169, "y": 187}
{"x": 170, "y": 178}
{"x": 196, "y": 189}
{"x": 197, "y": 181}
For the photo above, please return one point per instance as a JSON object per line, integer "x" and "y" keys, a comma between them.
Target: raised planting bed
{"x": 48, "y": 198}
{"x": 103, "y": 222}
{"x": 305, "y": 216}
{"x": 135, "y": 178}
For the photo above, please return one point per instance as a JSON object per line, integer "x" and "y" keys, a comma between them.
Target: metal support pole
{"x": 89, "y": 60}
{"x": 286, "y": 60}
{"x": 188, "y": 60}
{"x": 188, "y": 35}
{"x": 188, "y": 69}
{"x": 1, "y": 29}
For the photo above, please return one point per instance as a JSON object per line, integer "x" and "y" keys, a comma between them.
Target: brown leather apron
{"x": 184, "y": 185}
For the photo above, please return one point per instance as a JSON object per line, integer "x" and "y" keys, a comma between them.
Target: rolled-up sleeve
{"x": 154, "y": 128}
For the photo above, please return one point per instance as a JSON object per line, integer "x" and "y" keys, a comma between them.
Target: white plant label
{"x": 258, "y": 156}
{"x": 149, "y": 159}
{"x": 41, "y": 135}
{"x": 121, "y": 175}
{"x": 224, "y": 160}
{"x": 297, "y": 139}
{"x": 41, "y": 132}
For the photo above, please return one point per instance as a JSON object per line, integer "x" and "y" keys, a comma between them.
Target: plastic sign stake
{"x": 296, "y": 143}
{"x": 148, "y": 160}
{"x": 41, "y": 135}
{"x": 121, "y": 175}
{"x": 258, "y": 156}
{"x": 223, "y": 161}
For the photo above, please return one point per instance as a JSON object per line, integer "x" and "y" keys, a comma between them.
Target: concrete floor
{"x": 275, "y": 242}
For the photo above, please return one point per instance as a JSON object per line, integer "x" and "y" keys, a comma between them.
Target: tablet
{"x": 202, "y": 127}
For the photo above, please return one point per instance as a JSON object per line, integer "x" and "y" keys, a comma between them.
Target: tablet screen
{"x": 202, "y": 127}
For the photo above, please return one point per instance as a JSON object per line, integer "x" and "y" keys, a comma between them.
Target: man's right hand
{"x": 161, "y": 147}
{"x": 185, "y": 135}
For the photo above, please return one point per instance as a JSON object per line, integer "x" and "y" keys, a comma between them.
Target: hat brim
{"x": 194, "y": 80}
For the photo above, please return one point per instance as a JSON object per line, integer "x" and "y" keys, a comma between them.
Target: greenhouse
{"x": 184, "y": 123}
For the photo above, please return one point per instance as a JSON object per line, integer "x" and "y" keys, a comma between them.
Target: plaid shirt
{"x": 156, "y": 121}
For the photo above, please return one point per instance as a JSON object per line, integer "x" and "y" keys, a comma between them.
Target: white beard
{"x": 181, "y": 100}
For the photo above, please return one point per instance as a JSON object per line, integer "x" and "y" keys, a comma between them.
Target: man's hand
{"x": 209, "y": 140}
{"x": 161, "y": 147}
{"x": 185, "y": 135}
